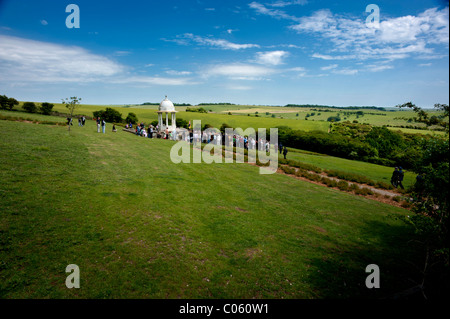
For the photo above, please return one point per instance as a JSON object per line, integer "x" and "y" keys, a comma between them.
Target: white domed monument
{"x": 166, "y": 106}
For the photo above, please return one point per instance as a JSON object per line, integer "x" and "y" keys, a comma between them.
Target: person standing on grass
{"x": 280, "y": 147}
{"x": 401, "y": 174}
{"x": 98, "y": 124}
{"x": 394, "y": 178}
{"x": 285, "y": 151}
{"x": 103, "y": 126}
{"x": 83, "y": 121}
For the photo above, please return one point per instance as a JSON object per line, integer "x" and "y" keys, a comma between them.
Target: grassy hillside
{"x": 375, "y": 172}
{"x": 139, "y": 226}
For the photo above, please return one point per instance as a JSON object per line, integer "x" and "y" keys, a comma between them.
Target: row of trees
{"x": 113, "y": 116}
{"x": 8, "y": 103}
{"x": 198, "y": 110}
{"x": 336, "y": 107}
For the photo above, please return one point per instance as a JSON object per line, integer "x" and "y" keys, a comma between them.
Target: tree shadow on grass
{"x": 342, "y": 273}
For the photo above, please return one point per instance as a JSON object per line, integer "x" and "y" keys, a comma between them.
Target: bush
{"x": 343, "y": 185}
{"x": 325, "y": 143}
{"x": 179, "y": 122}
{"x": 7, "y": 103}
{"x": 29, "y": 107}
{"x": 46, "y": 108}
{"x": 288, "y": 170}
{"x": 329, "y": 182}
{"x": 363, "y": 191}
{"x": 354, "y": 187}
{"x": 304, "y": 166}
{"x": 131, "y": 118}
{"x": 198, "y": 110}
{"x": 109, "y": 115}
{"x": 333, "y": 119}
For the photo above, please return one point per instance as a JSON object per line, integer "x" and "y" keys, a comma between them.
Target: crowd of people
{"x": 191, "y": 136}
{"x": 206, "y": 136}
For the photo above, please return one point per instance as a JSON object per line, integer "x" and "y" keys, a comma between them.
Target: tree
{"x": 3, "y": 101}
{"x": 30, "y": 107}
{"x": 386, "y": 141}
{"x": 109, "y": 115}
{"x": 7, "y": 103}
{"x": 71, "y": 104}
{"x": 424, "y": 117}
{"x": 223, "y": 127}
{"x": 430, "y": 200}
{"x": 180, "y": 123}
{"x": 131, "y": 118}
{"x": 46, "y": 108}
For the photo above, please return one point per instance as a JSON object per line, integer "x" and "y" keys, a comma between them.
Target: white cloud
{"x": 220, "y": 43}
{"x": 153, "y": 80}
{"x": 30, "y": 60}
{"x": 278, "y": 14}
{"x": 378, "y": 67}
{"x": 425, "y": 64}
{"x": 173, "y": 72}
{"x": 346, "y": 71}
{"x": 281, "y": 3}
{"x": 271, "y": 57}
{"x": 44, "y": 22}
{"x": 239, "y": 71}
{"x": 332, "y": 57}
{"x": 396, "y": 38}
{"x": 431, "y": 25}
{"x": 239, "y": 87}
{"x": 210, "y": 9}
{"x": 24, "y": 60}
{"x": 329, "y": 67}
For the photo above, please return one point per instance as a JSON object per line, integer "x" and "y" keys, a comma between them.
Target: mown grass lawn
{"x": 140, "y": 226}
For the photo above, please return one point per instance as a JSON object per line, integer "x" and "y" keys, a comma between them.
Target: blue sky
{"x": 270, "y": 52}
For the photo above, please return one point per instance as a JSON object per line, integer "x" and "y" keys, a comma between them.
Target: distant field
{"x": 149, "y": 114}
{"x": 413, "y": 131}
{"x": 283, "y": 116}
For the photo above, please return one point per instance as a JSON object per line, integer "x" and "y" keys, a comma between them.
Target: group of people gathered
{"x": 206, "y": 136}
{"x": 142, "y": 131}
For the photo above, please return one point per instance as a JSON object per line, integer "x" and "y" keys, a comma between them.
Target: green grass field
{"x": 140, "y": 226}
{"x": 375, "y": 172}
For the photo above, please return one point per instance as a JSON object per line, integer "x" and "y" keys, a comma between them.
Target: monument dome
{"x": 166, "y": 106}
